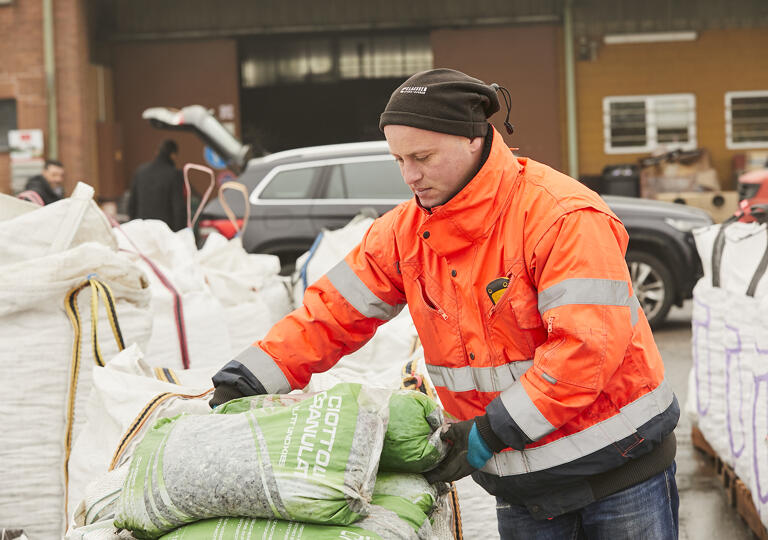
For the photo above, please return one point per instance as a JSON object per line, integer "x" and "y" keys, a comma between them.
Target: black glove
{"x": 470, "y": 441}
{"x": 234, "y": 381}
{"x": 224, "y": 393}
{"x": 454, "y": 464}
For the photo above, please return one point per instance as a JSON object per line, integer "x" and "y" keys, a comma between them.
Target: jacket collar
{"x": 474, "y": 210}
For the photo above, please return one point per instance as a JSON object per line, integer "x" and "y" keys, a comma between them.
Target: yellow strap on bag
{"x": 143, "y": 417}
{"x": 166, "y": 375}
{"x": 99, "y": 289}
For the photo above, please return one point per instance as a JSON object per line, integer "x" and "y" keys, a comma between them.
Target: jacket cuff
{"x": 504, "y": 426}
{"x": 486, "y": 432}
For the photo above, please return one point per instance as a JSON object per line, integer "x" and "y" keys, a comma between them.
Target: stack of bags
{"x": 728, "y": 383}
{"x": 307, "y": 465}
{"x": 50, "y": 337}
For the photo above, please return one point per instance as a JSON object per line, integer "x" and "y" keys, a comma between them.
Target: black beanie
{"x": 442, "y": 100}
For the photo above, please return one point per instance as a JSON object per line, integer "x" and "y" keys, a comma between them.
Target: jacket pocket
{"x": 514, "y": 323}
{"x": 434, "y": 314}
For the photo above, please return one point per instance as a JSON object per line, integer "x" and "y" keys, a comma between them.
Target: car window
{"x": 379, "y": 179}
{"x": 336, "y": 185}
{"x": 290, "y": 184}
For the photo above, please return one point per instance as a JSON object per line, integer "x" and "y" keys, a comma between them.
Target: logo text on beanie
{"x": 413, "y": 90}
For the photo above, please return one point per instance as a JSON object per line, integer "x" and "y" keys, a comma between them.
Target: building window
{"x": 637, "y": 124}
{"x": 746, "y": 119}
{"x": 7, "y": 121}
{"x": 372, "y": 57}
{"x": 330, "y": 59}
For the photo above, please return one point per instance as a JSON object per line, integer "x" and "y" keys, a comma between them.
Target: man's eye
{"x": 421, "y": 158}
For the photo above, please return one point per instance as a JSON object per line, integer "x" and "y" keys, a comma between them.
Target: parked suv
{"x": 297, "y": 193}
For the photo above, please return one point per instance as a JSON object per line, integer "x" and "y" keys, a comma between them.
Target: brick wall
{"x": 718, "y": 61}
{"x": 74, "y": 94}
{"x": 169, "y": 74}
{"x": 21, "y": 70}
{"x": 22, "y": 77}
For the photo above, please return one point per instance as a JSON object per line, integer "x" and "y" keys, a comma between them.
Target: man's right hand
{"x": 224, "y": 393}
{"x": 234, "y": 381}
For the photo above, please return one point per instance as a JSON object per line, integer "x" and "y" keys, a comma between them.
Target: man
{"x": 50, "y": 184}
{"x": 515, "y": 277}
{"x": 157, "y": 189}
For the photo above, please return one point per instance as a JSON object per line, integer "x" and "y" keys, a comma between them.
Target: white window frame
{"x": 729, "y": 120}
{"x": 650, "y": 123}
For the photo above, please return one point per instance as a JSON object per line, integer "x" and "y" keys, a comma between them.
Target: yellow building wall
{"x": 718, "y": 61}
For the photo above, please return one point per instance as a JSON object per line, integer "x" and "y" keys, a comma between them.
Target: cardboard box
{"x": 720, "y": 204}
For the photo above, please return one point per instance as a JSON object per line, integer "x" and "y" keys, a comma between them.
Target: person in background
{"x": 50, "y": 183}
{"x": 157, "y": 189}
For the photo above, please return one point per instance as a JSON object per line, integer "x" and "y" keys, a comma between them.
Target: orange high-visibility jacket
{"x": 564, "y": 364}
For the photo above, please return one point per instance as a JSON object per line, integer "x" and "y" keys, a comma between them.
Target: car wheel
{"x": 653, "y": 285}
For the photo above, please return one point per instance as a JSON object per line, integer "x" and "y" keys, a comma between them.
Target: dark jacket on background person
{"x": 40, "y": 185}
{"x": 157, "y": 192}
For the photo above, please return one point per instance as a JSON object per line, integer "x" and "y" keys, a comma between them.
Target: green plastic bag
{"x": 391, "y": 517}
{"x": 412, "y": 442}
{"x": 313, "y": 461}
{"x": 414, "y": 488}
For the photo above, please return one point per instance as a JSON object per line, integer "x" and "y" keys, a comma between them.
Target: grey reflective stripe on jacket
{"x": 604, "y": 292}
{"x": 525, "y": 414}
{"x": 354, "y": 291}
{"x": 482, "y": 379}
{"x": 264, "y": 368}
{"x": 585, "y": 442}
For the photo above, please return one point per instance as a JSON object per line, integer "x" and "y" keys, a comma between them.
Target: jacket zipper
{"x": 549, "y": 325}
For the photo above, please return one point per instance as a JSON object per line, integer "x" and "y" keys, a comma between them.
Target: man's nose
{"x": 411, "y": 174}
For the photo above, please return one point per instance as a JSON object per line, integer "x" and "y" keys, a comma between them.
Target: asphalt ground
{"x": 704, "y": 510}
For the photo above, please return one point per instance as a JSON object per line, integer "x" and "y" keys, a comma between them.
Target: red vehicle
{"x": 753, "y": 196}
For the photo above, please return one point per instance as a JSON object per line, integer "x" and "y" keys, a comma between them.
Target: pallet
{"x": 739, "y": 496}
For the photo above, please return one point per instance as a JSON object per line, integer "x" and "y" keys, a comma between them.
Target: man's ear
{"x": 476, "y": 144}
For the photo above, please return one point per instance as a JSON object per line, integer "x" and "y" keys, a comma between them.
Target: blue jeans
{"x": 645, "y": 511}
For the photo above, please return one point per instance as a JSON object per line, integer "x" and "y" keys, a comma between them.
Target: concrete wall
{"x": 718, "y": 61}
{"x": 169, "y": 74}
{"x": 527, "y": 61}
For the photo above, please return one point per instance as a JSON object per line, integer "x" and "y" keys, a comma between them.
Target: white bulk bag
{"x": 197, "y": 320}
{"x": 757, "y": 442}
{"x": 252, "y": 292}
{"x": 329, "y": 248}
{"x": 28, "y": 231}
{"x": 120, "y": 394}
{"x": 737, "y": 258}
{"x": 728, "y": 384}
{"x": 45, "y": 253}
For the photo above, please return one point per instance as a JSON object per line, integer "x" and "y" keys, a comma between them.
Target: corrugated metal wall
{"x": 150, "y": 19}
{"x": 598, "y": 17}
{"x": 137, "y": 19}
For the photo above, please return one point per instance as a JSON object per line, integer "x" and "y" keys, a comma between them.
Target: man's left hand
{"x": 467, "y": 452}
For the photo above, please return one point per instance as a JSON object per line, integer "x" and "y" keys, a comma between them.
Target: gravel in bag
{"x": 412, "y": 442}
{"x": 313, "y": 460}
{"x": 391, "y": 517}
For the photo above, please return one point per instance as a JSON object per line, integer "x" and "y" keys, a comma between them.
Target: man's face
{"x": 436, "y": 166}
{"x": 54, "y": 174}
